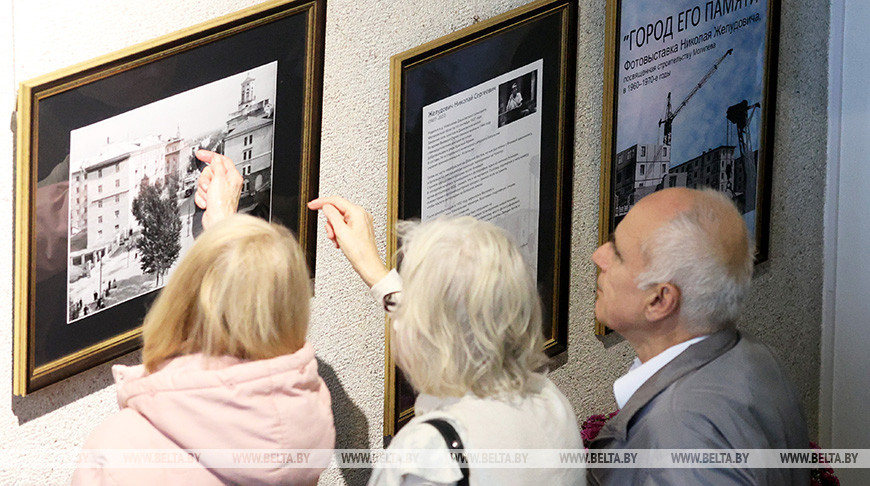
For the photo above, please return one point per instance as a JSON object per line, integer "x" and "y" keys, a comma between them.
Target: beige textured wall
{"x": 347, "y": 328}
{"x": 785, "y": 310}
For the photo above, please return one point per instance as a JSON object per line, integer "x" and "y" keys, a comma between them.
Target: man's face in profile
{"x": 619, "y": 302}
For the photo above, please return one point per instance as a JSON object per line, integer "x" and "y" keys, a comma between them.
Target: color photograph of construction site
{"x": 688, "y": 100}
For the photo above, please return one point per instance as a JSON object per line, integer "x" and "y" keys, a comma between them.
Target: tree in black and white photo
{"x": 156, "y": 210}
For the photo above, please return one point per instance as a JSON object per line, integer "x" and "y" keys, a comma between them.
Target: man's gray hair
{"x": 706, "y": 252}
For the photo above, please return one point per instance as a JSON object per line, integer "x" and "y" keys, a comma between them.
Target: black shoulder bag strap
{"x": 453, "y": 444}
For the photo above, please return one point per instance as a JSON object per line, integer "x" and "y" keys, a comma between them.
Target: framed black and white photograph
{"x": 482, "y": 124}
{"x": 517, "y": 98}
{"x": 689, "y": 97}
{"x": 133, "y": 177}
{"x": 106, "y": 172}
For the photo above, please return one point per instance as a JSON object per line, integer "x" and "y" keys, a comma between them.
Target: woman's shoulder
{"x": 138, "y": 433}
{"x": 418, "y": 434}
{"x": 542, "y": 417}
{"x": 417, "y": 454}
{"x": 99, "y": 462}
{"x": 541, "y": 396}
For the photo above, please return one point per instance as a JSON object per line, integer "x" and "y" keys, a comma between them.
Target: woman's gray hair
{"x": 470, "y": 315}
{"x": 706, "y": 252}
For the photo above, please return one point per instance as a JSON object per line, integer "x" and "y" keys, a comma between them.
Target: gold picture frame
{"x": 530, "y": 50}
{"x": 92, "y": 138}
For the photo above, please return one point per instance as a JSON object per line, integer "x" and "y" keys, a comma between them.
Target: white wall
{"x": 845, "y": 417}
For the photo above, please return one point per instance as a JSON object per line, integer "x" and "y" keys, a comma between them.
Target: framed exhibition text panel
{"x": 481, "y": 124}
{"x": 105, "y": 172}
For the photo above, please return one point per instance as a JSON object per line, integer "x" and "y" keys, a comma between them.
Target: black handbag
{"x": 453, "y": 444}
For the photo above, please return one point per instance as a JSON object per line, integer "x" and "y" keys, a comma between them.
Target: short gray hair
{"x": 470, "y": 315}
{"x": 710, "y": 264}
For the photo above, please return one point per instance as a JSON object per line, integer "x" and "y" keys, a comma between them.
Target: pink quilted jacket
{"x": 195, "y": 402}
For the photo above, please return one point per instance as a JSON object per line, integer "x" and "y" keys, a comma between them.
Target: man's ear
{"x": 663, "y": 301}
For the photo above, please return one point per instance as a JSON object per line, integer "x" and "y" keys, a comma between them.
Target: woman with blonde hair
{"x": 466, "y": 332}
{"x": 225, "y": 366}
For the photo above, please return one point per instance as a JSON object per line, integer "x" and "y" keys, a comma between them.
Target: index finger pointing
{"x": 205, "y": 155}
{"x": 219, "y": 163}
{"x": 338, "y": 202}
{"x": 333, "y": 215}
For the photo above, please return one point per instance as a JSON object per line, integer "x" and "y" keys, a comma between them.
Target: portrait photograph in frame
{"x": 689, "y": 98}
{"x": 106, "y": 173}
{"x": 482, "y": 124}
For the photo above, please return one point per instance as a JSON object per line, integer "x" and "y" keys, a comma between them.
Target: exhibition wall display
{"x": 106, "y": 172}
{"x": 481, "y": 124}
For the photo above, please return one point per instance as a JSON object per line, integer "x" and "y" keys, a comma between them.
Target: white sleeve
{"x": 425, "y": 460}
{"x": 390, "y": 284}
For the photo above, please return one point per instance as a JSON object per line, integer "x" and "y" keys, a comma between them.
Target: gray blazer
{"x": 725, "y": 392}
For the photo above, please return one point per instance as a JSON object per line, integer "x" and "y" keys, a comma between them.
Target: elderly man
{"x": 672, "y": 280}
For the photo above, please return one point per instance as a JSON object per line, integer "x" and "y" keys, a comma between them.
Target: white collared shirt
{"x": 627, "y": 384}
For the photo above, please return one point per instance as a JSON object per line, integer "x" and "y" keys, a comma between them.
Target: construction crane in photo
{"x": 740, "y": 115}
{"x": 668, "y": 120}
